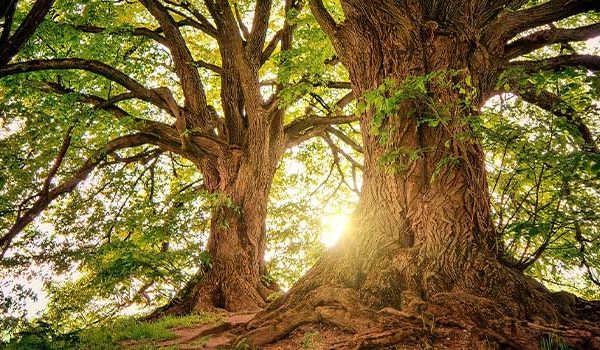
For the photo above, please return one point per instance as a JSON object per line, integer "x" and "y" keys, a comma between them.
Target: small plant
{"x": 241, "y": 345}
{"x": 41, "y": 335}
{"x": 311, "y": 340}
{"x": 553, "y": 342}
{"x": 274, "y": 296}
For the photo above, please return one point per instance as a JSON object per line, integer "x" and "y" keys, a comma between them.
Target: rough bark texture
{"x": 421, "y": 239}
{"x": 236, "y": 246}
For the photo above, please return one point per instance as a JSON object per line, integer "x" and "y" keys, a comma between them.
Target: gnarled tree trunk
{"x": 237, "y": 239}
{"x": 421, "y": 238}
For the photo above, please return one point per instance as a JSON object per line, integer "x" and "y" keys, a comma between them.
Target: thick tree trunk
{"x": 237, "y": 246}
{"x": 421, "y": 238}
{"x": 236, "y": 243}
{"x": 243, "y": 178}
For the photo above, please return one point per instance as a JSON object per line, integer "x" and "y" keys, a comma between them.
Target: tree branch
{"x": 97, "y": 102}
{"x": 153, "y": 34}
{"x": 268, "y": 51}
{"x": 166, "y": 135}
{"x": 590, "y": 62}
{"x": 191, "y": 84}
{"x": 514, "y": 23}
{"x": 546, "y": 37}
{"x": 324, "y": 18}
{"x": 212, "y": 67}
{"x": 554, "y": 104}
{"x": 243, "y": 27}
{"x": 303, "y": 129}
{"x": 8, "y": 15}
{"x": 92, "y": 66}
{"x": 260, "y": 24}
{"x": 57, "y": 161}
{"x": 335, "y": 152}
{"x": 345, "y": 138}
{"x": 338, "y": 150}
{"x": 24, "y": 31}
{"x": 45, "y": 197}
{"x": 202, "y": 22}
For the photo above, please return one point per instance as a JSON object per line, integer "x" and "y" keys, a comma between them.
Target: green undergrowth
{"x": 110, "y": 335}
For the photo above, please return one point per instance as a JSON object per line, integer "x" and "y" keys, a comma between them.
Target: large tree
{"x": 235, "y": 140}
{"x": 422, "y": 239}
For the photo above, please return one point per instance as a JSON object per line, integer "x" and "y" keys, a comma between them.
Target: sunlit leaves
{"x": 545, "y": 194}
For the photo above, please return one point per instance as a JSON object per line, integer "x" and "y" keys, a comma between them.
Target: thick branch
{"x": 7, "y": 14}
{"x": 260, "y": 24}
{"x": 268, "y": 51}
{"x": 25, "y": 30}
{"x": 97, "y": 102}
{"x": 546, "y": 37}
{"x": 342, "y": 85}
{"x": 554, "y": 104}
{"x": 554, "y": 10}
{"x": 93, "y": 66}
{"x": 191, "y": 84}
{"x": 46, "y": 197}
{"x": 590, "y": 62}
{"x": 324, "y": 18}
{"x": 166, "y": 135}
{"x": 153, "y": 34}
{"x": 243, "y": 27}
{"x": 212, "y": 67}
{"x": 303, "y": 129}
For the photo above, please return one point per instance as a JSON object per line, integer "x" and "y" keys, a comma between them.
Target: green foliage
{"x": 128, "y": 238}
{"x": 415, "y": 101}
{"x": 311, "y": 340}
{"x": 391, "y": 97}
{"x": 544, "y": 188}
{"x": 553, "y": 342}
{"x": 132, "y": 235}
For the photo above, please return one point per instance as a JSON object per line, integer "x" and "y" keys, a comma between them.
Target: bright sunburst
{"x": 333, "y": 226}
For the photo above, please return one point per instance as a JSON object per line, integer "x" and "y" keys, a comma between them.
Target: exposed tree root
{"x": 439, "y": 325}
{"x": 217, "y": 289}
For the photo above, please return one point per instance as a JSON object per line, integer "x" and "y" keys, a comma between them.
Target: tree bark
{"x": 421, "y": 238}
{"x": 237, "y": 239}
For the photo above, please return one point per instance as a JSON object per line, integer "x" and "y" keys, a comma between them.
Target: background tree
{"x": 422, "y": 236}
{"x": 226, "y": 115}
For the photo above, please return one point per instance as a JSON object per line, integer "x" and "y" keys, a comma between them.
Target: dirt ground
{"x": 403, "y": 332}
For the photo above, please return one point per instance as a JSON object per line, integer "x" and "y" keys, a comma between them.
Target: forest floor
{"x": 214, "y": 335}
{"x": 411, "y": 333}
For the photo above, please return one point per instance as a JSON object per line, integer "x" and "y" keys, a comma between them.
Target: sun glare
{"x": 333, "y": 226}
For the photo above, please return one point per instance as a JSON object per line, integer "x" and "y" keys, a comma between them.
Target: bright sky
{"x": 333, "y": 226}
